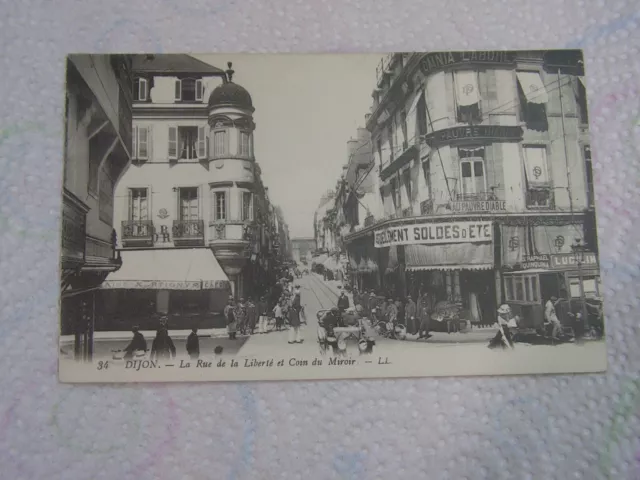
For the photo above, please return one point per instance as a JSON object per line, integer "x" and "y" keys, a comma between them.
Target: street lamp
{"x": 579, "y": 249}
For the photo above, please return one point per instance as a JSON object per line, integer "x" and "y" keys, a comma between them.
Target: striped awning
{"x": 458, "y": 256}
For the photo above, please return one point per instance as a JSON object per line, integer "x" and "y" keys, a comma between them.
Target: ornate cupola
{"x": 231, "y": 159}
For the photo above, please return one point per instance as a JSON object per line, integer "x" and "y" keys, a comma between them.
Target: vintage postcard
{"x": 280, "y": 217}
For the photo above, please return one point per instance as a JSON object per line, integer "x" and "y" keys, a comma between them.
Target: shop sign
{"x": 434, "y": 233}
{"x": 479, "y": 206}
{"x": 440, "y": 60}
{"x": 476, "y": 133}
{"x": 534, "y": 261}
{"x": 568, "y": 260}
{"x": 215, "y": 284}
{"x": 152, "y": 285}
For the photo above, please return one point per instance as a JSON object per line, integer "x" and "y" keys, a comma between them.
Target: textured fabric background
{"x": 522, "y": 427}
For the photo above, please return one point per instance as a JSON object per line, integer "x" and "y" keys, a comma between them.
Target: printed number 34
{"x": 103, "y": 365}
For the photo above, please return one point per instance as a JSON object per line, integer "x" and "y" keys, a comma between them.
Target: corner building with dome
{"x": 193, "y": 219}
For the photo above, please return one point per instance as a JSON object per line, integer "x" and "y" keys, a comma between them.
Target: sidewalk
{"x": 175, "y": 334}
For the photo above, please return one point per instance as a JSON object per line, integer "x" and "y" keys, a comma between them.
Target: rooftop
{"x": 172, "y": 63}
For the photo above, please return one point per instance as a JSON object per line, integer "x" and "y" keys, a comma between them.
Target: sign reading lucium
{"x": 433, "y": 234}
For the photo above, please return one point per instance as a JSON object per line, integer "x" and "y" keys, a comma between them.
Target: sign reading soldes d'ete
{"x": 434, "y": 233}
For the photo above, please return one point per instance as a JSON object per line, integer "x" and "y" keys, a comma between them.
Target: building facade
{"x": 302, "y": 249}
{"x": 483, "y": 170}
{"x": 97, "y": 152}
{"x": 194, "y": 218}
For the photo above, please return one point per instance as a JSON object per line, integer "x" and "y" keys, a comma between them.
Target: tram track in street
{"x": 324, "y": 288}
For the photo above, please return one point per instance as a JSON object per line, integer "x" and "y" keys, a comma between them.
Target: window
{"x": 186, "y": 143}
{"x": 422, "y": 115}
{"x": 138, "y": 204}
{"x": 533, "y": 98}
{"x": 379, "y": 149}
{"x": 143, "y": 143}
{"x": 395, "y": 193}
{"x": 188, "y": 199}
{"x": 189, "y": 90}
{"x": 247, "y": 206}
{"x": 406, "y": 176}
{"x": 581, "y": 99}
{"x": 592, "y": 286}
{"x": 403, "y": 125}
{"x": 219, "y": 205}
{"x": 188, "y": 140}
{"x": 467, "y": 96}
{"x": 589, "y": 173}
{"x": 522, "y": 288}
{"x": 390, "y": 134}
{"x": 140, "y": 91}
{"x": 473, "y": 180}
{"x": 244, "y": 145}
{"x": 539, "y": 191}
{"x": 220, "y": 143}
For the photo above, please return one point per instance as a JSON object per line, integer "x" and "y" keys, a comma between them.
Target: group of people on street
{"x": 283, "y": 304}
{"x": 162, "y": 347}
{"x": 416, "y": 317}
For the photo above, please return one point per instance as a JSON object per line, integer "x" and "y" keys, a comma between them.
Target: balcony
{"x": 426, "y": 207}
{"x": 188, "y": 233}
{"x": 476, "y": 197}
{"x": 137, "y": 233}
{"x": 540, "y": 198}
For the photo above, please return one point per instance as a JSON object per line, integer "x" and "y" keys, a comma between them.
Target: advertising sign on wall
{"x": 434, "y": 233}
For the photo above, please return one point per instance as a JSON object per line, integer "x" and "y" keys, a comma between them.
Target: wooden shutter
{"x": 178, "y": 90}
{"x": 150, "y": 142}
{"x": 130, "y": 204}
{"x": 173, "y": 143}
{"x": 134, "y": 140}
{"x": 199, "y": 90}
{"x": 143, "y": 143}
{"x": 202, "y": 148}
{"x": 142, "y": 89}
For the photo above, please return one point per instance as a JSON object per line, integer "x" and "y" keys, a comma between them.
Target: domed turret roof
{"x": 230, "y": 94}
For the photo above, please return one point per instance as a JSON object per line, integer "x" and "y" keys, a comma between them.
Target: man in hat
{"x": 252, "y": 316}
{"x": 411, "y": 314}
{"x": 241, "y": 316}
{"x": 343, "y": 302}
{"x": 230, "y": 317}
{"x": 551, "y": 316}
{"x": 138, "y": 343}
{"x": 193, "y": 344}
{"x": 357, "y": 299}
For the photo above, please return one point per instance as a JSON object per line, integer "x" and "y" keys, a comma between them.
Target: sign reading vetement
{"x": 433, "y": 234}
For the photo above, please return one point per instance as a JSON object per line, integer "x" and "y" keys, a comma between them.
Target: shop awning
{"x": 459, "y": 256}
{"x": 533, "y": 87}
{"x": 175, "y": 269}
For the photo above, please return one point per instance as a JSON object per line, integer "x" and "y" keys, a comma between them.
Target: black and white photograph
{"x": 322, "y": 216}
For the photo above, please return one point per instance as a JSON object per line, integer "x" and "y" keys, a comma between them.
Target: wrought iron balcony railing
{"x": 137, "y": 233}
{"x": 188, "y": 232}
{"x": 540, "y": 198}
{"x": 407, "y": 212}
{"x": 476, "y": 197}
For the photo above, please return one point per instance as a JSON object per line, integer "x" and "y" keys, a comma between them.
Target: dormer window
{"x": 189, "y": 90}
{"x": 140, "y": 90}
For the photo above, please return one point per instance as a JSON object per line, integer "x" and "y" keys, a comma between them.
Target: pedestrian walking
{"x": 425, "y": 307}
{"x": 241, "y": 316}
{"x": 278, "y": 312}
{"x": 400, "y": 307}
{"x": 343, "y": 302}
{"x": 162, "y": 347}
{"x": 411, "y": 315}
{"x": 138, "y": 343}
{"x": 551, "y": 317}
{"x": 230, "y": 317}
{"x": 392, "y": 311}
{"x": 357, "y": 299}
{"x": 193, "y": 344}
{"x": 252, "y": 316}
{"x": 263, "y": 318}
{"x": 294, "y": 325}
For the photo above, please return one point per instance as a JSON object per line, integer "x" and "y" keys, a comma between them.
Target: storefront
{"x": 180, "y": 283}
{"x": 538, "y": 263}
{"x": 454, "y": 260}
